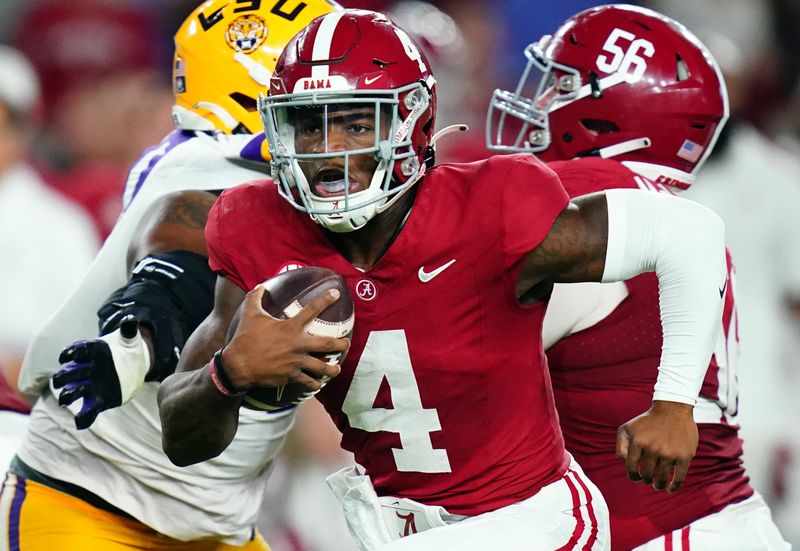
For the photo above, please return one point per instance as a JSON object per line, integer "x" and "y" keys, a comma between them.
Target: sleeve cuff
{"x": 672, "y": 397}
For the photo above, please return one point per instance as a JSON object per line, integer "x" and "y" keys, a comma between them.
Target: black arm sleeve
{"x": 170, "y": 293}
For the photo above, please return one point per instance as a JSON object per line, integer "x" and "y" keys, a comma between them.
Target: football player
{"x": 444, "y": 398}
{"x": 111, "y": 486}
{"x": 638, "y": 102}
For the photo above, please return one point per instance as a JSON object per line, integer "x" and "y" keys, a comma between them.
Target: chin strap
{"x": 447, "y": 130}
{"x": 623, "y": 147}
{"x": 430, "y": 151}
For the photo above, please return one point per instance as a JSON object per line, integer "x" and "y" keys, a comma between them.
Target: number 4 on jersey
{"x": 386, "y": 356}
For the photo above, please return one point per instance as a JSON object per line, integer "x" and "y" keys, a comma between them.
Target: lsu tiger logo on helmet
{"x": 246, "y": 33}
{"x": 225, "y": 52}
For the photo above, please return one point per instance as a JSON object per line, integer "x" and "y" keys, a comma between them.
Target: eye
{"x": 358, "y": 128}
{"x": 308, "y": 127}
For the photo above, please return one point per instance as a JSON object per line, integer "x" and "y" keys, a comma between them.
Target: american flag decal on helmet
{"x": 179, "y": 74}
{"x": 690, "y": 151}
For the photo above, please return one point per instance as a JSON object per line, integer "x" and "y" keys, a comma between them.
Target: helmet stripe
{"x": 322, "y": 44}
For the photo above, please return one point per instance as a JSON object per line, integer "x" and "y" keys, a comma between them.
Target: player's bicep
{"x": 210, "y": 336}
{"x": 174, "y": 222}
{"x": 574, "y": 249}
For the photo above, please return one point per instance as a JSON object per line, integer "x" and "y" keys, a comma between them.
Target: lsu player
{"x": 623, "y": 97}
{"x": 444, "y": 397}
{"x": 110, "y": 486}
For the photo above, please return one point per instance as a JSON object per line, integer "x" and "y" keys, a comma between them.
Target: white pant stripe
{"x": 6, "y": 497}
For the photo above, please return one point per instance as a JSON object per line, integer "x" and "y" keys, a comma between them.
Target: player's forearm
{"x": 197, "y": 420}
{"x": 684, "y": 244}
{"x": 171, "y": 288}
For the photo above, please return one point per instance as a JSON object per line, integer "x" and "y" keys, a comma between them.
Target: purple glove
{"x": 106, "y": 372}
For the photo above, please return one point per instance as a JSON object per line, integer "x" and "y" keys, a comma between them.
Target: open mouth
{"x": 330, "y": 182}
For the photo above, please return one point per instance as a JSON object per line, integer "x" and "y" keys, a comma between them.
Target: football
{"x": 287, "y": 293}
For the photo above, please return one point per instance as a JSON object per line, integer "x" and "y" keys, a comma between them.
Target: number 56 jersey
{"x": 444, "y": 396}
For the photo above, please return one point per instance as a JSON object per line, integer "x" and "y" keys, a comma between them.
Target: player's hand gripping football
{"x": 658, "y": 445}
{"x": 106, "y": 372}
{"x": 268, "y": 352}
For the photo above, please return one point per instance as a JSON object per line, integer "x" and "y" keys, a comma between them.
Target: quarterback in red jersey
{"x": 444, "y": 396}
{"x": 621, "y": 67}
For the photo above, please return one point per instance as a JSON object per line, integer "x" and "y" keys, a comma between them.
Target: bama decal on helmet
{"x": 333, "y": 82}
{"x": 246, "y": 33}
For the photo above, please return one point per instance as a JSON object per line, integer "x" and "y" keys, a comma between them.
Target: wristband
{"x": 220, "y": 379}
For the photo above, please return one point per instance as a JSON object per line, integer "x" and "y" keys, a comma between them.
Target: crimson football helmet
{"x": 615, "y": 81}
{"x": 354, "y": 60}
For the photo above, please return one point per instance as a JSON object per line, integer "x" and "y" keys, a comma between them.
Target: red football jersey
{"x": 444, "y": 397}
{"x": 603, "y": 376}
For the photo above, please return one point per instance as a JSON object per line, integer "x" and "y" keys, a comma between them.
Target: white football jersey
{"x": 120, "y": 457}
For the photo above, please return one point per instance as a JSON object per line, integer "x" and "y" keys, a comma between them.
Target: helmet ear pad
{"x": 572, "y": 135}
{"x": 581, "y": 130}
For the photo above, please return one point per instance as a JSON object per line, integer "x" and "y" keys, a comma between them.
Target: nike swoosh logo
{"x": 425, "y": 277}
{"x": 368, "y": 81}
{"x": 722, "y": 289}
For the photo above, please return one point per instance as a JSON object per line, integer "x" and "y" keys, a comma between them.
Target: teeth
{"x": 334, "y": 186}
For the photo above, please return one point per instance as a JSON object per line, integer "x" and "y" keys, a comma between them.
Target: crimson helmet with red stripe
{"x": 348, "y": 60}
{"x": 615, "y": 81}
